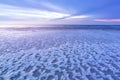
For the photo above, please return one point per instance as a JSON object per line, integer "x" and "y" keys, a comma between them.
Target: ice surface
{"x": 60, "y": 55}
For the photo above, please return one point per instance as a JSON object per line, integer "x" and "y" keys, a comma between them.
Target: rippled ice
{"x": 60, "y": 55}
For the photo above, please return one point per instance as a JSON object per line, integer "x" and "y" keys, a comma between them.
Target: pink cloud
{"x": 107, "y": 20}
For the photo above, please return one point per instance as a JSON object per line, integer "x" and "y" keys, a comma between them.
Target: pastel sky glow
{"x": 29, "y": 12}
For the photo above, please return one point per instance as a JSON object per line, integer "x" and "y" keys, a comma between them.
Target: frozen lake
{"x": 60, "y": 55}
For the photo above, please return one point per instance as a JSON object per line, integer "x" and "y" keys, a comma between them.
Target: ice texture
{"x": 60, "y": 55}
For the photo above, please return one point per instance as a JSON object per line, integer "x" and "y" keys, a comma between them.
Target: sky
{"x": 29, "y": 12}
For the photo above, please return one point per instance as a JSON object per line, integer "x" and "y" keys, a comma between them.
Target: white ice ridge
{"x": 61, "y": 55}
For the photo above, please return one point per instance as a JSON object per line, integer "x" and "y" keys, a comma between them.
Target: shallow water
{"x": 60, "y": 55}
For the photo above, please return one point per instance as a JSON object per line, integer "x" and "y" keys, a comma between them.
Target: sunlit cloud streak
{"x": 107, "y": 20}
{"x": 26, "y": 13}
{"x": 79, "y": 17}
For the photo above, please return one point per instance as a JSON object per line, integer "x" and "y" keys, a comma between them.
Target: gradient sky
{"x": 59, "y": 12}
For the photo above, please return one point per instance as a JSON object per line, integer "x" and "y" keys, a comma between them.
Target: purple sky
{"x": 59, "y": 12}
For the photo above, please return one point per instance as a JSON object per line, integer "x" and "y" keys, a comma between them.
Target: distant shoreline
{"x": 64, "y": 27}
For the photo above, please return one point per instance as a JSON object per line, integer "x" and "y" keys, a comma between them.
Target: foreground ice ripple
{"x": 60, "y": 55}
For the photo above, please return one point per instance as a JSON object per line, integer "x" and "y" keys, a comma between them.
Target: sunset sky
{"x": 59, "y": 12}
